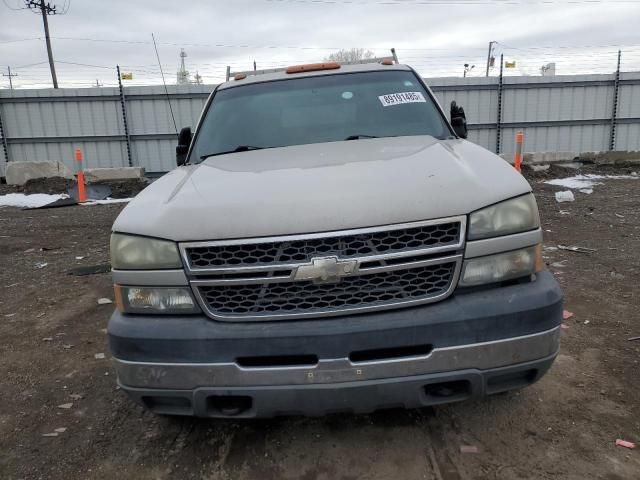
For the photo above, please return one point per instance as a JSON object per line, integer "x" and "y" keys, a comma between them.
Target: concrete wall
{"x": 561, "y": 113}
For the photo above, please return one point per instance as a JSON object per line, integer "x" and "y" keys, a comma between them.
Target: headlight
{"x": 504, "y": 266}
{"x": 129, "y": 252}
{"x": 161, "y": 300}
{"x": 513, "y": 216}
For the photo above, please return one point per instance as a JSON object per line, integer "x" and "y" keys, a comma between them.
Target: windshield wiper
{"x": 358, "y": 137}
{"x": 239, "y": 148}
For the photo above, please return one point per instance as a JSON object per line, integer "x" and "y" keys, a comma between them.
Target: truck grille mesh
{"x": 303, "y": 250}
{"x": 295, "y": 298}
{"x": 320, "y": 275}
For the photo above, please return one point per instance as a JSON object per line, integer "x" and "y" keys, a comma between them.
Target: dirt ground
{"x": 119, "y": 188}
{"x": 564, "y": 427}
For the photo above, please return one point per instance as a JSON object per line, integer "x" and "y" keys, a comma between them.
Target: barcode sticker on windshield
{"x": 400, "y": 98}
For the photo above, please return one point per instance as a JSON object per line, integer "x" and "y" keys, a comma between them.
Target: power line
{"x": 13, "y": 8}
{"x": 240, "y": 46}
{"x": 84, "y": 64}
{"x": 219, "y": 45}
{"x": 454, "y": 2}
{"x": 304, "y": 47}
{"x": 20, "y": 39}
{"x": 570, "y": 59}
{"x": 545, "y": 47}
{"x": 30, "y": 64}
{"x": 582, "y": 58}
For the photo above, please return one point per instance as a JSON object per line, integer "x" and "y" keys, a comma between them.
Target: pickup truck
{"x": 329, "y": 242}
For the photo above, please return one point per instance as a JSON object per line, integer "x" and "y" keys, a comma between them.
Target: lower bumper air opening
{"x": 168, "y": 405}
{"x": 228, "y": 405}
{"x": 445, "y": 392}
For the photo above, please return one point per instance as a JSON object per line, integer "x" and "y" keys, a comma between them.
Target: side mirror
{"x": 459, "y": 120}
{"x": 184, "y": 140}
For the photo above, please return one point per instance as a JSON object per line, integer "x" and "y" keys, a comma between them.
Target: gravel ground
{"x": 565, "y": 426}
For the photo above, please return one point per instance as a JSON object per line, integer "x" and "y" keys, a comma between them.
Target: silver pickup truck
{"x": 329, "y": 242}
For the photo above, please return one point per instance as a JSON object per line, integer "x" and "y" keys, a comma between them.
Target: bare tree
{"x": 353, "y": 55}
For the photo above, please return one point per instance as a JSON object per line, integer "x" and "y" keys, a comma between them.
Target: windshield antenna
{"x": 165, "y": 84}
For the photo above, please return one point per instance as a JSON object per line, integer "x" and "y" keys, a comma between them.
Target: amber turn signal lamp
{"x": 539, "y": 263}
{"x": 118, "y": 297}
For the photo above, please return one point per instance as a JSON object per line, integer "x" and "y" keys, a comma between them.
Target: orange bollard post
{"x": 517, "y": 161}
{"x": 82, "y": 195}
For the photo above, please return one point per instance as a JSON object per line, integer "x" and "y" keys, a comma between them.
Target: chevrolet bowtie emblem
{"x": 326, "y": 270}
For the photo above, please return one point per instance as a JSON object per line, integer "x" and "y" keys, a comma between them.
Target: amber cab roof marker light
{"x": 312, "y": 67}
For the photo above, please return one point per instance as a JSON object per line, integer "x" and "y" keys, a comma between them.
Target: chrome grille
{"x": 334, "y": 273}
{"x": 351, "y": 293}
{"x": 343, "y": 246}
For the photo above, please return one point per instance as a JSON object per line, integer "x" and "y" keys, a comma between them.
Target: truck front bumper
{"x": 471, "y": 344}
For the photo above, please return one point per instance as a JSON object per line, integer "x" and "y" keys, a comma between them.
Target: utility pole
{"x": 46, "y": 10}
{"x": 491, "y": 44}
{"x": 9, "y": 74}
{"x": 98, "y": 84}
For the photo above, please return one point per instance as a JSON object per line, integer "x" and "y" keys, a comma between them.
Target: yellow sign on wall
{"x": 127, "y": 76}
{"x": 510, "y": 64}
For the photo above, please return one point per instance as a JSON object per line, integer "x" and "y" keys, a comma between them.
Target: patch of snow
{"x": 21, "y": 200}
{"x": 540, "y": 168}
{"x": 107, "y": 201}
{"x": 565, "y": 196}
{"x": 572, "y": 165}
{"x": 586, "y": 181}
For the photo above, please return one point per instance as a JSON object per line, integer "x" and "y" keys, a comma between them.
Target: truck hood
{"x": 321, "y": 187}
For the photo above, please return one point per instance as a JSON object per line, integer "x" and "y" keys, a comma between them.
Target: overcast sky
{"x": 437, "y": 37}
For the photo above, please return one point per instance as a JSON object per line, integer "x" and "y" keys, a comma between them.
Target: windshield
{"x": 318, "y": 109}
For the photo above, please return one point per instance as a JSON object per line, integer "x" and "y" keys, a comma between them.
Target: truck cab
{"x": 329, "y": 242}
